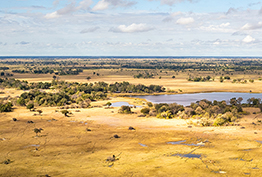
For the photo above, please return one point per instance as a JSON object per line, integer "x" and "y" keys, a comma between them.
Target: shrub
{"x": 30, "y": 106}
{"x": 125, "y": 110}
{"x": 219, "y": 121}
{"x": 6, "y": 107}
{"x": 149, "y": 104}
{"x": 145, "y": 111}
{"x": 65, "y": 112}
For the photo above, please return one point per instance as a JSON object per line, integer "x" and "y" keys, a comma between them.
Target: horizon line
{"x": 124, "y": 56}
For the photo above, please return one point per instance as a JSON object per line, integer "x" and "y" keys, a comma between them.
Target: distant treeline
{"x": 73, "y": 87}
{"x": 47, "y": 70}
{"x": 228, "y": 65}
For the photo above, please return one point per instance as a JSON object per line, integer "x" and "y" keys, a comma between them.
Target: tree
{"x": 108, "y": 104}
{"x": 21, "y": 101}
{"x": 233, "y": 101}
{"x": 239, "y": 100}
{"x": 39, "y": 111}
{"x": 37, "y": 130}
{"x": 145, "y": 111}
{"x": 221, "y": 79}
{"x": 88, "y": 78}
{"x": 6, "y": 107}
{"x": 30, "y": 106}
{"x": 125, "y": 110}
{"x": 65, "y": 112}
{"x": 149, "y": 104}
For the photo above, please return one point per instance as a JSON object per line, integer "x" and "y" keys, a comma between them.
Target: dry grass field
{"x": 66, "y": 148}
{"x": 179, "y": 83}
{"x": 85, "y": 143}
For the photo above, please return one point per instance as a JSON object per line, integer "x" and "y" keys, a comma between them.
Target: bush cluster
{"x": 6, "y": 107}
{"x": 207, "y": 112}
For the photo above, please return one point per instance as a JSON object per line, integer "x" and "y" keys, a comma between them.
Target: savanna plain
{"x": 57, "y": 117}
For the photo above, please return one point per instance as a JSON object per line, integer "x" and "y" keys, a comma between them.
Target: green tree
{"x": 145, "y": 111}
{"x": 65, "y": 112}
{"x": 37, "y": 130}
{"x": 108, "y": 104}
{"x": 21, "y": 101}
{"x": 30, "y": 106}
{"x": 125, "y": 110}
{"x": 149, "y": 104}
{"x": 6, "y": 107}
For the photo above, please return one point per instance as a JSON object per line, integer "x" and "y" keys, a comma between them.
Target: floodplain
{"x": 92, "y": 138}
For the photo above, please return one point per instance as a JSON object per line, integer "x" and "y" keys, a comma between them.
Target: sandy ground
{"x": 66, "y": 148}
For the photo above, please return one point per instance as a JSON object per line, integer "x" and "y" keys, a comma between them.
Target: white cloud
{"x": 52, "y": 15}
{"x": 70, "y": 8}
{"x": 85, "y": 5}
{"x": 223, "y": 28}
{"x": 185, "y": 21}
{"x": 249, "y": 26}
{"x": 133, "y": 28}
{"x": 172, "y": 2}
{"x": 224, "y": 25}
{"x": 101, "y": 5}
{"x": 176, "y": 14}
{"x": 90, "y": 30}
{"x": 248, "y": 39}
{"x": 105, "y": 4}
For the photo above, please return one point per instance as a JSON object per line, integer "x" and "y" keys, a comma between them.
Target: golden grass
{"x": 67, "y": 149}
{"x": 179, "y": 83}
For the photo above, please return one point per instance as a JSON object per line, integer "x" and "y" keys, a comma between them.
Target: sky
{"x": 131, "y": 28}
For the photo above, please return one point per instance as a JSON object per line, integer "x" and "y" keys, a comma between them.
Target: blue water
{"x": 183, "y": 143}
{"x": 187, "y": 99}
{"x": 142, "y": 145}
{"x": 122, "y": 103}
{"x": 192, "y": 156}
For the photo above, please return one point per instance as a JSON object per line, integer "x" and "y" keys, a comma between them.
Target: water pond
{"x": 183, "y": 143}
{"x": 122, "y": 103}
{"x": 142, "y": 145}
{"x": 187, "y": 99}
{"x": 192, "y": 156}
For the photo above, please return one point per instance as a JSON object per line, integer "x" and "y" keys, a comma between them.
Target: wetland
{"x": 65, "y": 116}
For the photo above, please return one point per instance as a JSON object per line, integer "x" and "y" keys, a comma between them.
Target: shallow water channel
{"x": 187, "y": 99}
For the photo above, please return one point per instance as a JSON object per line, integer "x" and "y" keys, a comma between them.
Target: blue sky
{"x": 131, "y": 27}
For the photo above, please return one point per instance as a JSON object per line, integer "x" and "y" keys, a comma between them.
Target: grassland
{"x": 66, "y": 148}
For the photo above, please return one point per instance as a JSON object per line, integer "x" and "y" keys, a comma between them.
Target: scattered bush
{"x": 125, "y": 110}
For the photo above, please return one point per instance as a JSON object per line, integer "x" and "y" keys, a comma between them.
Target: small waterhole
{"x": 183, "y": 143}
{"x": 142, "y": 145}
{"x": 191, "y": 156}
